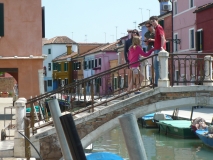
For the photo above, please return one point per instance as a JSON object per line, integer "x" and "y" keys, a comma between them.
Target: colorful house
{"x": 204, "y": 39}
{"x": 98, "y": 60}
{"x": 62, "y": 68}
{"x": 184, "y": 29}
{"x": 21, "y": 32}
{"x": 53, "y": 48}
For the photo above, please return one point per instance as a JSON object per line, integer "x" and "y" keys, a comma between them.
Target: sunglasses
{"x": 148, "y": 26}
{"x": 135, "y": 32}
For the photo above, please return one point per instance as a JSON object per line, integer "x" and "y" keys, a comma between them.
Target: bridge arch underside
{"x": 91, "y": 127}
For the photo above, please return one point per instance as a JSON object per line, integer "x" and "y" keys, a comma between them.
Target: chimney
{"x": 69, "y": 49}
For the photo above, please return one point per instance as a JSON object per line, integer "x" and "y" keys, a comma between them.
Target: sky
{"x": 97, "y": 21}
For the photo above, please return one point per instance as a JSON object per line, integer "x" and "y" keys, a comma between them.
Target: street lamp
{"x": 135, "y": 24}
{"x": 105, "y": 37}
{"x": 116, "y": 32}
{"x": 85, "y": 38}
{"x": 141, "y": 13}
{"x": 149, "y": 12}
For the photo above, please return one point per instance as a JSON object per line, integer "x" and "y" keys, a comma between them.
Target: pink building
{"x": 184, "y": 33}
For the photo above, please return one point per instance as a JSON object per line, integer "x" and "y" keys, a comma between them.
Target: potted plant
{"x": 4, "y": 94}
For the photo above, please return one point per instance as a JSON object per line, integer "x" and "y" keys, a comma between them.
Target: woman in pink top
{"x": 135, "y": 51}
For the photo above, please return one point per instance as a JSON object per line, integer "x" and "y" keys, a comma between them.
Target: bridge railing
{"x": 193, "y": 69}
{"x": 97, "y": 90}
{"x": 86, "y": 94}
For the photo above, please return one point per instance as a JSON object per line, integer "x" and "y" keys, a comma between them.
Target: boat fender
{"x": 3, "y": 135}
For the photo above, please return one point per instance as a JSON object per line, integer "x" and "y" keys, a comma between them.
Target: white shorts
{"x": 135, "y": 70}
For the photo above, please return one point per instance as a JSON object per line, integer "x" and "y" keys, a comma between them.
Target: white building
{"x": 53, "y": 48}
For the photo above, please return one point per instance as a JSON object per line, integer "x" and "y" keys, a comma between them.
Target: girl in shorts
{"x": 135, "y": 51}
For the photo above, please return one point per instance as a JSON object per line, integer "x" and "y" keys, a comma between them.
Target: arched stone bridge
{"x": 92, "y": 125}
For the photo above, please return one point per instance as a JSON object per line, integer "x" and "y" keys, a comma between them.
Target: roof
{"x": 64, "y": 56}
{"x": 203, "y": 7}
{"x": 159, "y": 17}
{"x": 105, "y": 47}
{"x": 59, "y": 40}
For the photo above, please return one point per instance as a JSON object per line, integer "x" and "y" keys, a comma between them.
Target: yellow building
{"x": 62, "y": 68}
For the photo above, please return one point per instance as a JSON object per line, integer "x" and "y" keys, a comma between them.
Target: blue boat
{"x": 206, "y": 138}
{"x": 103, "y": 156}
{"x": 149, "y": 120}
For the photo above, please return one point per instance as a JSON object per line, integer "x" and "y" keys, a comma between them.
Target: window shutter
{"x": 198, "y": 41}
{"x": 201, "y": 41}
{"x": 1, "y": 19}
{"x": 43, "y": 22}
{"x": 85, "y": 65}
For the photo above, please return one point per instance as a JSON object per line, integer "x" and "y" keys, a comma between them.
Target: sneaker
{"x": 138, "y": 92}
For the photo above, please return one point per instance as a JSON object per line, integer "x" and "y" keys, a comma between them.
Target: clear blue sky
{"x": 94, "y": 18}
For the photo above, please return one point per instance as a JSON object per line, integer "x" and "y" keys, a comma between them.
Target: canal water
{"x": 157, "y": 146}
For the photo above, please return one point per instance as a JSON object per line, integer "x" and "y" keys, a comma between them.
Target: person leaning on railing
{"x": 135, "y": 51}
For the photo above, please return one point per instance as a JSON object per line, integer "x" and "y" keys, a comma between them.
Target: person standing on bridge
{"x": 149, "y": 41}
{"x": 135, "y": 51}
{"x": 159, "y": 45}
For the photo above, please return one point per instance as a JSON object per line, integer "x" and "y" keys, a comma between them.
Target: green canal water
{"x": 157, "y": 146}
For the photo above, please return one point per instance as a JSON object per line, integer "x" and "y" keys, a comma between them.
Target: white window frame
{"x": 190, "y": 38}
{"x": 119, "y": 59}
{"x": 175, "y": 7}
{"x": 190, "y": 4}
{"x": 175, "y": 45}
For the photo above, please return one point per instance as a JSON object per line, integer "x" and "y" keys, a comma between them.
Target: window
{"x": 191, "y": 39}
{"x": 175, "y": 7}
{"x": 168, "y": 46}
{"x": 199, "y": 40}
{"x": 175, "y": 42}
{"x": 49, "y": 51}
{"x": 99, "y": 62}
{"x": 49, "y": 66}
{"x": 96, "y": 62}
{"x": 85, "y": 65}
{"x": 177, "y": 76}
{"x": 55, "y": 66}
{"x": 115, "y": 82}
{"x": 66, "y": 81}
{"x": 59, "y": 82}
{"x": 78, "y": 64}
{"x": 191, "y": 3}
{"x": 89, "y": 64}
{"x": 49, "y": 83}
{"x": 1, "y": 19}
{"x": 59, "y": 67}
{"x": 65, "y": 66}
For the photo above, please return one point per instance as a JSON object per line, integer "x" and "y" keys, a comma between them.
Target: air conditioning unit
{"x": 167, "y": 7}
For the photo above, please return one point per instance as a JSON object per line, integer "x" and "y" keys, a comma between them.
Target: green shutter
{"x": 43, "y": 22}
{"x": 1, "y": 19}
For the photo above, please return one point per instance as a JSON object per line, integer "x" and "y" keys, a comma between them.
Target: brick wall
{"x": 6, "y": 84}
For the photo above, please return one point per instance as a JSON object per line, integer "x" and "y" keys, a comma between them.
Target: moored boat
{"x": 149, "y": 120}
{"x": 206, "y": 136}
{"x": 176, "y": 128}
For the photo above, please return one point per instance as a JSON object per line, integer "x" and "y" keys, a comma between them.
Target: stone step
{"x": 6, "y": 148}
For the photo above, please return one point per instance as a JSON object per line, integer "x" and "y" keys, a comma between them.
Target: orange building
{"x": 21, "y": 43}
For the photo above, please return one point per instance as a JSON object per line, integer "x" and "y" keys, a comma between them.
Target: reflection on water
{"x": 157, "y": 146}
